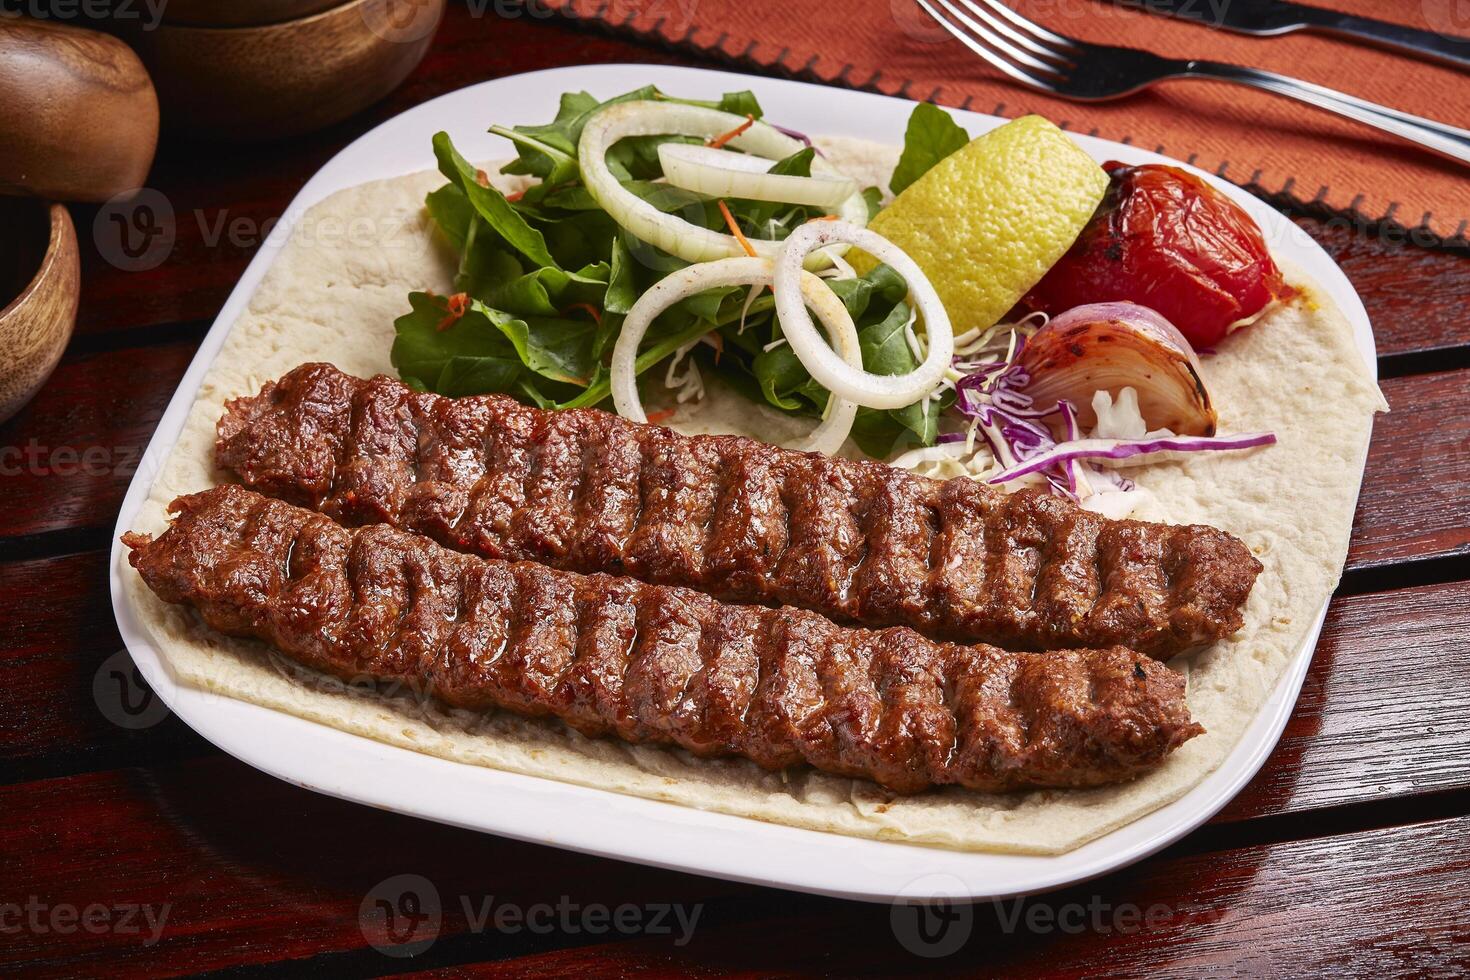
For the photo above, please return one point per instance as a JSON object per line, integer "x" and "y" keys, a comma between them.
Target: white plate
{"x": 609, "y": 824}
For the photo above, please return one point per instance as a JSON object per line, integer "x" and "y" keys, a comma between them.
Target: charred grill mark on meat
{"x": 857, "y": 541}
{"x": 660, "y": 664}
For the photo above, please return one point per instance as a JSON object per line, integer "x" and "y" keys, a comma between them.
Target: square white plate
{"x": 609, "y": 824}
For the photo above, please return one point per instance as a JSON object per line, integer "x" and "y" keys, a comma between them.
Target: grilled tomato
{"x": 1167, "y": 240}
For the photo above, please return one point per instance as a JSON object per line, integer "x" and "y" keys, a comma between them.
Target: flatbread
{"x": 332, "y": 295}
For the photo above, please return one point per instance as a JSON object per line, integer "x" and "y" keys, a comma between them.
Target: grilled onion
{"x": 1110, "y": 346}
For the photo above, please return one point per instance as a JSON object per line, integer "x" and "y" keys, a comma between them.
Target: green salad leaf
{"x": 546, "y": 277}
{"x": 931, "y": 136}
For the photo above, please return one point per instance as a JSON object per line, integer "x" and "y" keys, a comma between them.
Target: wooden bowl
{"x": 241, "y": 13}
{"x": 40, "y": 281}
{"x": 78, "y": 118}
{"x": 275, "y": 80}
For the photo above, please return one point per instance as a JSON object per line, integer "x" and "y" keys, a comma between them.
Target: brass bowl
{"x": 274, "y": 80}
{"x": 39, "y": 268}
{"x": 78, "y": 115}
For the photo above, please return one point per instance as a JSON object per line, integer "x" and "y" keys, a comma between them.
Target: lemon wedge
{"x": 988, "y": 221}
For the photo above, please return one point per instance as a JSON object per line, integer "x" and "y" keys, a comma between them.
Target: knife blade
{"x": 1268, "y": 18}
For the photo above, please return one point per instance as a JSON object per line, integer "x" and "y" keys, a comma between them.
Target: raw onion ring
{"x": 668, "y": 232}
{"x": 720, "y": 173}
{"x": 836, "y": 374}
{"x": 827, "y": 437}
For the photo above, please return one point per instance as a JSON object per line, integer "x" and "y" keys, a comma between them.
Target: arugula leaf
{"x": 931, "y": 136}
{"x": 886, "y": 350}
{"x": 484, "y": 261}
{"x": 622, "y": 292}
{"x": 467, "y": 358}
{"x": 451, "y": 212}
{"x": 548, "y": 291}
{"x": 780, "y": 375}
{"x": 491, "y": 204}
{"x": 552, "y": 164}
{"x": 556, "y": 349}
{"x": 873, "y": 198}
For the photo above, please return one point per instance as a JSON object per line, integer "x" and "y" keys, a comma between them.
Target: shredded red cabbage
{"x": 800, "y": 136}
{"x": 991, "y": 394}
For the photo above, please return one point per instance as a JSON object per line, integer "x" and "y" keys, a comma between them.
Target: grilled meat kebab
{"x": 660, "y": 664}
{"x": 859, "y": 542}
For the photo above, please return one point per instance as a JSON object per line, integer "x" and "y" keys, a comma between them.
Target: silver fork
{"x": 1088, "y": 72}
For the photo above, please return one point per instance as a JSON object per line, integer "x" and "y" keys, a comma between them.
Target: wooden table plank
{"x": 1416, "y": 297}
{"x": 1385, "y": 903}
{"x": 290, "y": 881}
{"x": 70, "y": 698}
{"x": 1413, "y": 504}
{"x": 66, "y": 459}
{"x": 1384, "y": 712}
{"x": 254, "y": 870}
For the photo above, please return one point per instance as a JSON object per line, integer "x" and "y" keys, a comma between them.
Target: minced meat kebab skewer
{"x": 857, "y": 541}
{"x": 659, "y": 664}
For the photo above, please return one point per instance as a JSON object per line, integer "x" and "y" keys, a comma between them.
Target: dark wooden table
{"x": 1347, "y": 853}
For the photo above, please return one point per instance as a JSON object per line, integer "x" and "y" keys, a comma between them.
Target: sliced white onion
{"x": 838, "y": 375}
{"x": 669, "y": 232}
{"x": 720, "y": 173}
{"x": 827, "y": 437}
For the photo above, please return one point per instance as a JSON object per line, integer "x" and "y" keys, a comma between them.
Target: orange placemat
{"x": 1272, "y": 145}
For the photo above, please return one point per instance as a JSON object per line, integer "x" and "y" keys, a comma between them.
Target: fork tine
{"x": 985, "y": 53}
{"x": 994, "y": 40}
{"x": 984, "y": 9}
{"x": 1000, "y": 8}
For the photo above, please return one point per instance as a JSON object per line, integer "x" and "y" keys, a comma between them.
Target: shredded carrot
{"x": 720, "y": 141}
{"x": 515, "y": 195}
{"x": 827, "y": 217}
{"x": 658, "y": 417}
{"x": 482, "y": 178}
{"x": 591, "y": 311}
{"x": 735, "y": 230}
{"x": 455, "y": 306}
{"x": 718, "y": 343}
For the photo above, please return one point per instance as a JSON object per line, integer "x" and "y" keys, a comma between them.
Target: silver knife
{"x": 1271, "y": 17}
